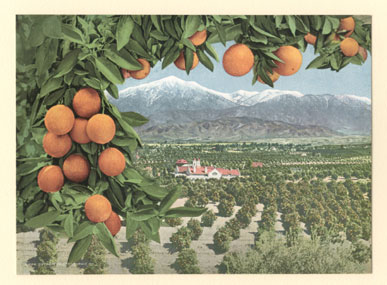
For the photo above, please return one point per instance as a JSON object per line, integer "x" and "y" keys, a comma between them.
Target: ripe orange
{"x": 347, "y": 24}
{"x": 101, "y": 128}
{"x": 125, "y": 73}
{"x": 142, "y": 73}
{"x": 78, "y": 133}
{"x": 198, "y": 38}
{"x": 59, "y": 119}
{"x": 292, "y": 60}
{"x": 349, "y": 47}
{"x": 310, "y": 39}
{"x": 363, "y": 52}
{"x": 111, "y": 162}
{"x": 113, "y": 223}
{"x": 97, "y": 208}
{"x": 76, "y": 168}
{"x": 180, "y": 61}
{"x": 86, "y": 102}
{"x": 273, "y": 76}
{"x": 50, "y": 178}
{"x": 238, "y": 60}
{"x": 56, "y": 146}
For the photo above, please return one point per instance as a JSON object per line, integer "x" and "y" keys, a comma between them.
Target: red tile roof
{"x": 256, "y": 164}
{"x": 181, "y": 161}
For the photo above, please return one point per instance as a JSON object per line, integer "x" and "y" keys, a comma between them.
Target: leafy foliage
{"x": 187, "y": 262}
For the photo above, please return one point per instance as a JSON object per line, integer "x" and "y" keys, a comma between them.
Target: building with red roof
{"x": 196, "y": 171}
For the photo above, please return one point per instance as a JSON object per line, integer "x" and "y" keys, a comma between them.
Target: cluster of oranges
{"x": 238, "y": 60}
{"x": 348, "y": 46}
{"x": 89, "y": 126}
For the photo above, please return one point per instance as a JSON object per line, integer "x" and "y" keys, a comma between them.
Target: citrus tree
{"x": 76, "y": 170}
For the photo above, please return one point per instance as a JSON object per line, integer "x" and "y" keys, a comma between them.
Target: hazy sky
{"x": 353, "y": 79}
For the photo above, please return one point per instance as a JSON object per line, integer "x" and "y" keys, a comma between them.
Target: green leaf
{"x": 327, "y": 27}
{"x": 113, "y": 90}
{"x": 131, "y": 226}
{"x": 134, "y": 119}
{"x": 116, "y": 190}
{"x": 106, "y": 238}
{"x": 192, "y": 25}
{"x": 109, "y": 70}
{"x": 188, "y": 57}
{"x": 72, "y": 34}
{"x": 154, "y": 224}
{"x": 29, "y": 167}
{"x": 205, "y": 60}
{"x": 167, "y": 202}
{"x": 156, "y": 22}
{"x": 172, "y": 55}
{"x": 121, "y": 61}
{"x": 292, "y": 24}
{"x": 144, "y": 214}
{"x": 135, "y": 47}
{"x": 221, "y": 33}
{"x": 34, "y": 209}
{"x": 54, "y": 97}
{"x": 69, "y": 224}
{"x": 132, "y": 174}
{"x": 36, "y": 37}
{"x": 92, "y": 82}
{"x": 317, "y": 62}
{"x": 43, "y": 219}
{"x": 278, "y": 20}
{"x": 52, "y": 27}
{"x": 46, "y": 55}
{"x": 333, "y": 62}
{"x": 188, "y": 44}
{"x": 211, "y": 51}
{"x": 83, "y": 230}
{"x": 79, "y": 249}
{"x": 184, "y": 212}
{"x": 153, "y": 190}
{"x": 159, "y": 36}
{"x": 68, "y": 63}
{"x": 147, "y": 229}
{"x": 128, "y": 129}
{"x": 50, "y": 85}
{"x": 124, "y": 30}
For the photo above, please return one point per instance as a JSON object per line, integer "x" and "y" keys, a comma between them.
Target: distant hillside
{"x": 231, "y": 129}
{"x": 177, "y": 108}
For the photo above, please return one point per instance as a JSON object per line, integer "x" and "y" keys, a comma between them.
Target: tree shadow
{"x": 215, "y": 249}
{"x": 126, "y": 246}
{"x": 34, "y": 262}
{"x": 170, "y": 247}
{"x": 128, "y": 263}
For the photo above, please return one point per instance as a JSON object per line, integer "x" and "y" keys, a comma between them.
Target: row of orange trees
{"x": 70, "y": 165}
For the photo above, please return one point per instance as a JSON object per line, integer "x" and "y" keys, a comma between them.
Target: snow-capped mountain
{"x": 171, "y": 100}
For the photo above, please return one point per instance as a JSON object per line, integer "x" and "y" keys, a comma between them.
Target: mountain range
{"x": 180, "y": 109}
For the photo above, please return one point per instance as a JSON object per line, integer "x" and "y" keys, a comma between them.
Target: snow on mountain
{"x": 353, "y": 98}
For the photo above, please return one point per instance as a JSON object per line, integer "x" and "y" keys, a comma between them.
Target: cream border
{"x": 379, "y": 103}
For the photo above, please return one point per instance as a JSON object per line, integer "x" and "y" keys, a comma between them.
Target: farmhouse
{"x": 196, "y": 171}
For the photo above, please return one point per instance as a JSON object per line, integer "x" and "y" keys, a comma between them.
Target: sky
{"x": 352, "y": 79}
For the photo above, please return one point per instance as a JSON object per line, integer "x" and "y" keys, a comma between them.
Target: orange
{"x": 78, "y": 133}
{"x": 50, "y": 178}
{"x": 59, "y": 119}
{"x": 125, "y": 73}
{"x": 113, "y": 223}
{"x": 238, "y": 60}
{"x": 56, "y": 146}
{"x": 76, "y": 168}
{"x": 198, "y": 38}
{"x": 111, "y": 162}
{"x": 363, "y": 52}
{"x": 180, "y": 61}
{"x": 273, "y": 76}
{"x": 101, "y": 128}
{"x": 349, "y": 47}
{"x": 347, "y": 24}
{"x": 292, "y": 60}
{"x": 310, "y": 39}
{"x": 97, "y": 208}
{"x": 86, "y": 102}
{"x": 142, "y": 73}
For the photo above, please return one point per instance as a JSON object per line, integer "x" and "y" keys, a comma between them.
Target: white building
{"x": 196, "y": 171}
